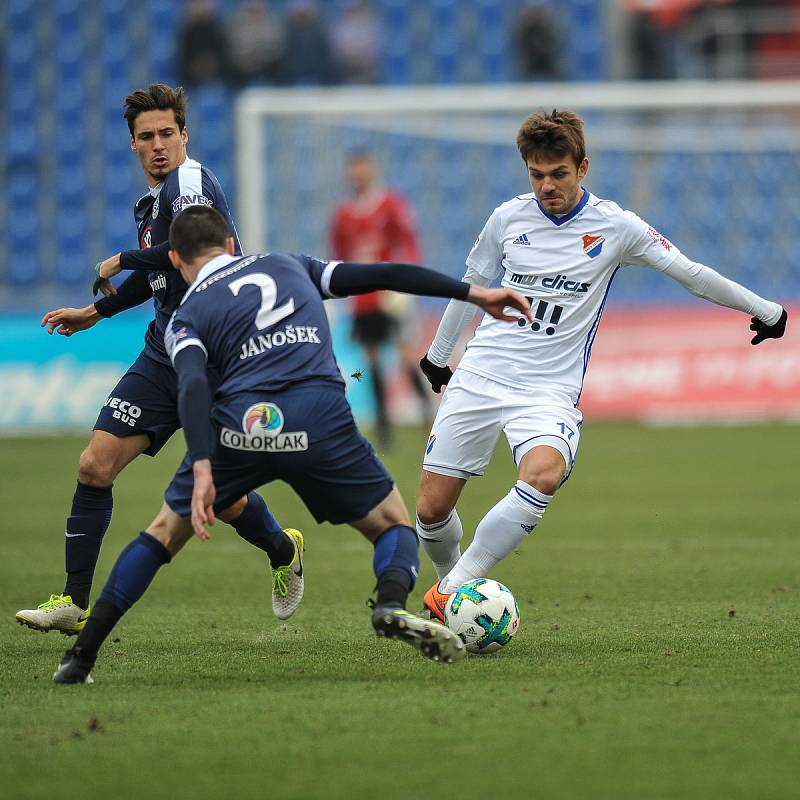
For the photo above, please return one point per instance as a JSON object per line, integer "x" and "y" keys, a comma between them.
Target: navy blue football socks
{"x": 396, "y": 565}
{"x": 88, "y": 522}
{"x": 257, "y": 525}
{"x": 134, "y": 569}
{"x": 132, "y": 574}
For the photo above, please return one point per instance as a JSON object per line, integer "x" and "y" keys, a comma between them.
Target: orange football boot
{"x": 435, "y": 601}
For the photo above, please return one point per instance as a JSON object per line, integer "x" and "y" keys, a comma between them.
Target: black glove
{"x": 437, "y": 376}
{"x": 768, "y": 331}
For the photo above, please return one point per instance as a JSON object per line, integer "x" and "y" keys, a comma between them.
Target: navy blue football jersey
{"x": 260, "y": 320}
{"x": 190, "y": 184}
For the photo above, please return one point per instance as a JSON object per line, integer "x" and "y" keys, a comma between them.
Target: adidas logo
{"x": 521, "y": 239}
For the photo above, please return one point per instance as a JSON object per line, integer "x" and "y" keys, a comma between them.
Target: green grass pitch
{"x": 658, "y": 656}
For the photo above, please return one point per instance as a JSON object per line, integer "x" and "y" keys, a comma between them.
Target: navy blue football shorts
{"x": 305, "y": 436}
{"x": 144, "y": 401}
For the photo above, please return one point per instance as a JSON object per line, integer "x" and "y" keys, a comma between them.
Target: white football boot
{"x": 58, "y": 613}
{"x": 287, "y": 582}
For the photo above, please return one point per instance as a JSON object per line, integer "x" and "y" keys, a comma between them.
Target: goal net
{"x": 714, "y": 166}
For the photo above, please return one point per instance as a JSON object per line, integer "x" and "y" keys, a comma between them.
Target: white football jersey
{"x": 564, "y": 265}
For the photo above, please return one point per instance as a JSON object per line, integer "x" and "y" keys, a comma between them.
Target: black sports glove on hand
{"x": 768, "y": 331}
{"x": 437, "y": 376}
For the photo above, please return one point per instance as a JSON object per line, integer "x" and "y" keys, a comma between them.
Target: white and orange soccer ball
{"x": 484, "y": 614}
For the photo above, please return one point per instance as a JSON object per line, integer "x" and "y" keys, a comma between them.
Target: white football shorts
{"x": 474, "y": 411}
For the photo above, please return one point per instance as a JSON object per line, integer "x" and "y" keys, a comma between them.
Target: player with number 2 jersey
{"x": 279, "y": 413}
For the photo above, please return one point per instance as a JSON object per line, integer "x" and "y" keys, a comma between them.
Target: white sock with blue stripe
{"x": 441, "y": 541}
{"x": 499, "y": 533}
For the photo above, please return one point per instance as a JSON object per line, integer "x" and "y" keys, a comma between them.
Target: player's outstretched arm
{"x": 495, "y": 301}
{"x": 349, "y": 278}
{"x": 769, "y": 319}
{"x": 66, "y": 321}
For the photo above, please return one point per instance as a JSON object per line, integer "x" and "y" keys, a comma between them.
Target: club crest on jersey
{"x": 263, "y": 418}
{"x": 593, "y": 244}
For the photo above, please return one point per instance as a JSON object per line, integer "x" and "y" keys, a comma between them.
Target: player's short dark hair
{"x": 553, "y": 135}
{"x": 156, "y": 97}
{"x": 196, "y": 230}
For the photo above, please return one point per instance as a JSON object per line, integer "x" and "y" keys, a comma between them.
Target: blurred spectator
{"x": 653, "y": 32}
{"x": 777, "y": 51}
{"x": 202, "y": 45}
{"x": 256, "y": 43}
{"x": 375, "y": 224}
{"x": 357, "y": 39}
{"x": 308, "y": 60}
{"x": 538, "y": 42}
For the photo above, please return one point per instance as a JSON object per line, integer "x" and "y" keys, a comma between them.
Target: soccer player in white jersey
{"x": 561, "y": 246}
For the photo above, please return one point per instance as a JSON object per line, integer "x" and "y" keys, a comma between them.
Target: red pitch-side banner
{"x": 690, "y": 364}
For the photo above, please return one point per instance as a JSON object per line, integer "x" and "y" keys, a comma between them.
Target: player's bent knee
{"x": 94, "y": 470}
{"x": 545, "y": 480}
{"x": 234, "y": 511}
{"x": 547, "y": 484}
{"x": 543, "y": 468}
{"x": 170, "y": 529}
{"x": 437, "y": 497}
{"x": 389, "y": 512}
{"x": 431, "y": 510}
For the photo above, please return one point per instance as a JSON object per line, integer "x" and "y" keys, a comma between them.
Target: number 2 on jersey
{"x": 267, "y": 313}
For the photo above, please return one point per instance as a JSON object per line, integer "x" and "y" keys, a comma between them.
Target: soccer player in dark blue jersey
{"x": 279, "y": 413}
{"x": 141, "y": 412}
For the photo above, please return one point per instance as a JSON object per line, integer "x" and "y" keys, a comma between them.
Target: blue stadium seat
{"x": 23, "y": 266}
{"x": 21, "y": 186}
{"x": 71, "y": 184}
{"x": 396, "y": 18}
{"x": 23, "y": 269}
{"x": 72, "y": 231}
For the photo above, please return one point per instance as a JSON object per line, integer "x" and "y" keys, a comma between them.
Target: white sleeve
{"x": 643, "y": 245}
{"x": 707, "y": 283}
{"x": 486, "y": 256}
{"x": 455, "y": 319}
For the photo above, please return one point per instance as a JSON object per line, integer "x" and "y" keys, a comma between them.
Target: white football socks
{"x": 499, "y": 533}
{"x": 441, "y": 540}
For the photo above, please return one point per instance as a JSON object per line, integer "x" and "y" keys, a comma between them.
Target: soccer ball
{"x": 484, "y": 614}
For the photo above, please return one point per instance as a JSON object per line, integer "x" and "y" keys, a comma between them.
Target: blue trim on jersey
{"x": 587, "y": 350}
{"x": 567, "y": 217}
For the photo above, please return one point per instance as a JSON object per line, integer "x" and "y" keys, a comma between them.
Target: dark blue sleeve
{"x": 133, "y": 291}
{"x": 150, "y": 258}
{"x": 194, "y": 402}
{"x": 349, "y": 278}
